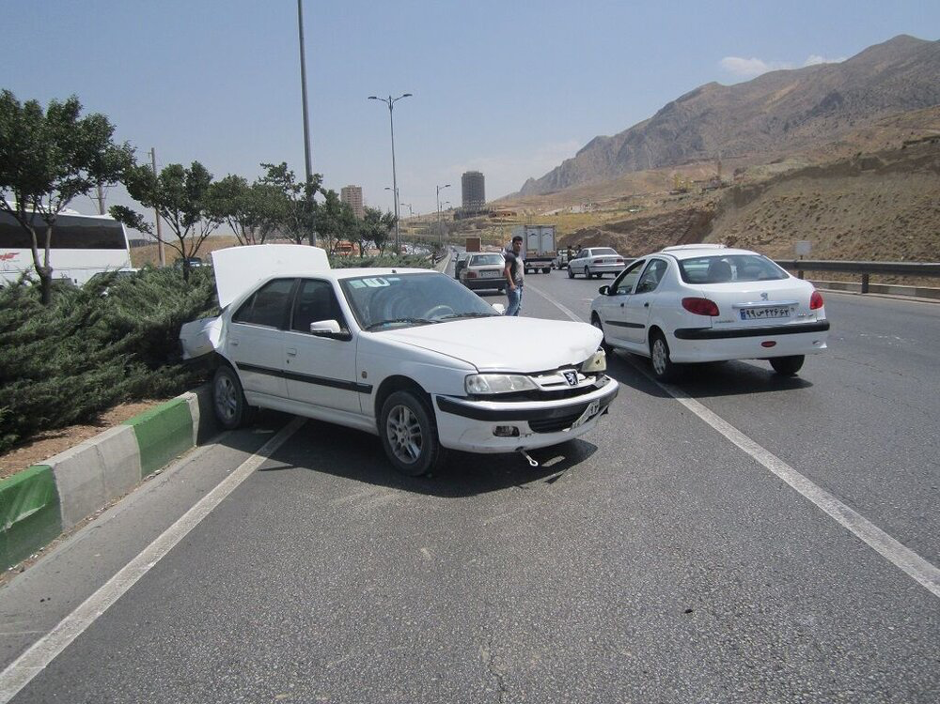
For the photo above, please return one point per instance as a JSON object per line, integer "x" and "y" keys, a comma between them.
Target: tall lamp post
{"x": 438, "y": 190}
{"x": 308, "y": 170}
{"x": 390, "y": 101}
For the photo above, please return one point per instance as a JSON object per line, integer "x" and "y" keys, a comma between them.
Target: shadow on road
{"x": 351, "y": 454}
{"x": 704, "y": 380}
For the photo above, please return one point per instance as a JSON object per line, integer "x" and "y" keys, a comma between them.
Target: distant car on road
{"x": 409, "y": 355}
{"x": 595, "y": 261}
{"x": 707, "y": 303}
{"x": 193, "y": 262}
{"x": 460, "y": 263}
{"x": 484, "y": 270}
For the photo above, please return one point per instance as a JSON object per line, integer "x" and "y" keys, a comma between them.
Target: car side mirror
{"x": 605, "y": 290}
{"x": 328, "y": 328}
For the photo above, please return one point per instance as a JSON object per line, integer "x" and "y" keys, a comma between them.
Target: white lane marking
{"x": 915, "y": 566}
{"x": 22, "y": 670}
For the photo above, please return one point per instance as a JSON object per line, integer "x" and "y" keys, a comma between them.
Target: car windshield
{"x": 486, "y": 260}
{"x": 387, "y": 301}
{"x": 603, "y": 252}
{"x": 730, "y": 268}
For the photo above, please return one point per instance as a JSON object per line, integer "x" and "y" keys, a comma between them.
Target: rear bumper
{"x": 469, "y": 425}
{"x": 708, "y": 345}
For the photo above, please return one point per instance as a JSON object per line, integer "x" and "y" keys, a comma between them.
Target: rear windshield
{"x": 603, "y": 252}
{"x": 486, "y": 260}
{"x": 729, "y": 267}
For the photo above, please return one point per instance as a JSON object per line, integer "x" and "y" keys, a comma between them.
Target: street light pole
{"x": 300, "y": 30}
{"x": 390, "y": 101}
{"x": 438, "y": 190}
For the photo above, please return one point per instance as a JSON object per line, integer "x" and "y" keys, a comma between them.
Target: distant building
{"x": 354, "y": 196}
{"x": 473, "y": 198}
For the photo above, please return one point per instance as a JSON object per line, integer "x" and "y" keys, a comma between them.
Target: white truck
{"x": 538, "y": 246}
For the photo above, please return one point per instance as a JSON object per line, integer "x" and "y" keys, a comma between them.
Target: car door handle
{"x": 291, "y": 352}
{"x": 647, "y": 305}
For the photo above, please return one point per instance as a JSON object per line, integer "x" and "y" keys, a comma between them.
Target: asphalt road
{"x": 654, "y": 560}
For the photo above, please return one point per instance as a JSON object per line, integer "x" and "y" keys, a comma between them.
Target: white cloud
{"x": 814, "y": 60}
{"x": 749, "y": 68}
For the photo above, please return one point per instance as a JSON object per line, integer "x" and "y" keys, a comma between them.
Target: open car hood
{"x": 237, "y": 269}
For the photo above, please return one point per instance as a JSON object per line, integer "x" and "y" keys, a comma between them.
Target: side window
{"x": 315, "y": 301}
{"x": 652, "y": 276}
{"x": 268, "y": 306}
{"x": 625, "y": 282}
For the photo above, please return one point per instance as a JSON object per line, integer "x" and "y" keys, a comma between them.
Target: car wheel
{"x": 596, "y": 321}
{"x": 228, "y": 400}
{"x": 587, "y": 273}
{"x": 409, "y": 435}
{"x": 571, "y": 273}
{"x": 787, "y": 366}
{"x": 546, "y": 270}
{"x": 663, "y": 368}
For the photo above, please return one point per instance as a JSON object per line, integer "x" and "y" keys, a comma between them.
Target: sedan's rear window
{"x": 603, "y": 252}
{"x": 729, "y": 267}
{"x": 486, "y": 260}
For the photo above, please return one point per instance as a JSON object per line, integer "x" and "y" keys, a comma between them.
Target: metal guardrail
{"x": 864, "y": 269}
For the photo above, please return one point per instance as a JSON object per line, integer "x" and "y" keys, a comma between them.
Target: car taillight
{"x": 471, "y": 274}
{"x": 816, "y": 300}
{"x": 701, "y": 306}
{"x": 618, "y": 261}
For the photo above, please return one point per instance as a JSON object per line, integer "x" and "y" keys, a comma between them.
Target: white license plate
{"x": 489, "y": 274}
{"x": 589, "y": 413}
{"x": 769, "y": 312}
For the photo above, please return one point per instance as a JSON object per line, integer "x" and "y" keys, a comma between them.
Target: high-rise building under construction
{"x": 473, "y": 198}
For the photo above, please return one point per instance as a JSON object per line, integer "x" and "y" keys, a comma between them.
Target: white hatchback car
{"x": 595, "y": 261}
{"x": 708, "y": 303}
{"x": 409, "y": 355}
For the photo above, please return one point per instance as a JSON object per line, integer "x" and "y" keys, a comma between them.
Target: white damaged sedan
{"x": 407, "y": 354}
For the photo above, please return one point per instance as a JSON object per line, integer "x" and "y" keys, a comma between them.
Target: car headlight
{"x": 482, "y": 384}
{"x": 598, "y": 362}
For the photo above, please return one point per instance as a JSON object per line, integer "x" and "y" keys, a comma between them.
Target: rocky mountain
{"x": 773, "y": 114}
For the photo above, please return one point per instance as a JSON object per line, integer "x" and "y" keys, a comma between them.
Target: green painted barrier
{"x": 163, "y": 433}
{"x": 29, "y": 514}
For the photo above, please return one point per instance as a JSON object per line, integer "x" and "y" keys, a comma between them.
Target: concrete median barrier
{"x": 38, "y": 504}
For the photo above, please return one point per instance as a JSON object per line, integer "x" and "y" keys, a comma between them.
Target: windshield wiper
{"x": 413, "y": 321}
{"x": 468, "y": 315}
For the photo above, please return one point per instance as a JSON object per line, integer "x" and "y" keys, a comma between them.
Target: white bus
{"x": 82, "y": 246}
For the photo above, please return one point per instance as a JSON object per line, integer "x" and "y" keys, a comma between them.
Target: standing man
{"x": 513, "y": 273}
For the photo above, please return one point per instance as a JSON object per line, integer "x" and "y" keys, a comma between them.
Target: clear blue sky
{"x": 507, "y": 88}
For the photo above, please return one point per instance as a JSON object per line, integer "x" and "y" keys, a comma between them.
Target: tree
{"x": 377, "y": 226}
{"x": 182, "y": 198}
{"x": 251, "y": 211}
{"x": 335, "y": 220}
{"x": 46, "y": 160}
{"x": 297, "y": 218}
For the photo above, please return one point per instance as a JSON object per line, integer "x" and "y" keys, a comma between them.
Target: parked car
{"x": 595, "y": 261}
{"x": 193, "y": 262}
{"x": 484, "y": 270}
{"x": 409, "y": 355}
{"x": 561, "y": 259}
{"x": 460, "y": 263}
{"x": 708, "y": 303}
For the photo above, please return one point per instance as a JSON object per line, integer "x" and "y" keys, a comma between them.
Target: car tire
{"x": 228, "y": 400}
{"x": 663, "y": 367}
{"x": 608, "y": 349}
{"x": 409, "y": 434}
{"x": 787, "y": 366}
{"x": 587, "y": 273}
{"x": 547, "y": 270}
{"x": 571, "y": 273}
